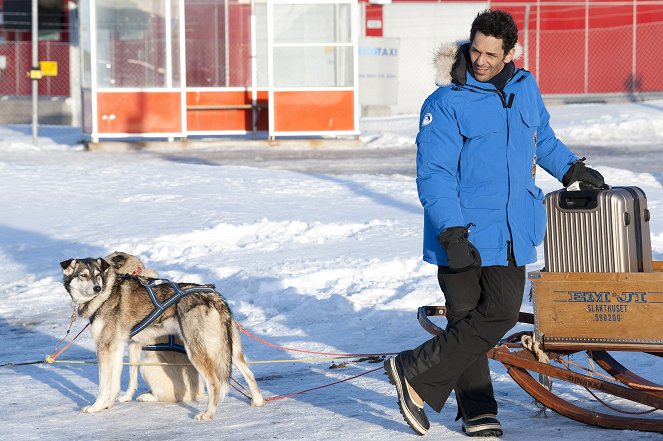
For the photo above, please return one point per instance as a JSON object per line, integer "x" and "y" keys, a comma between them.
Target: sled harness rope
{"x": 171, "y": 345}
{"x": 258, "y": 339}
{"x": 242, "y": 390}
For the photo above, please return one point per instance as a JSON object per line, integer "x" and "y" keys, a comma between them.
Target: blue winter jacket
{"x": 477, "y": 152}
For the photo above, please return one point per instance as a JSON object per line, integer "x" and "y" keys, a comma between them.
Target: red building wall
{"x": 601, "y": 63}
{"x": 570, "y": 63}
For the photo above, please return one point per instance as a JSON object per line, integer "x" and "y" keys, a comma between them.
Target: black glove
{"x": 462, "y": 255}
{"x": 589, "y": 178}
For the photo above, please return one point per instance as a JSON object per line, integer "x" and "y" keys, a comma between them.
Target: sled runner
{"x": 594, "y": 313}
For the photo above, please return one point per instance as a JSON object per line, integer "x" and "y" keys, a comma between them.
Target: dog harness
{"x": 170, "y": 346}
{"x": 160, "y": 307}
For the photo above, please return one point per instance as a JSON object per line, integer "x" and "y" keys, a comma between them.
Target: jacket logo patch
{"x": 428, "y": 118}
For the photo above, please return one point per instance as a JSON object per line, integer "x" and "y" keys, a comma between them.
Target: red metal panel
{"x": 139, "y": 112}
{"x": 313, "y": 111}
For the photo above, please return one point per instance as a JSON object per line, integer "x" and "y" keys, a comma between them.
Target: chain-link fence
{"x": 218, "y": 43}
{"x": 591, "y": 48}
{"x": 16, "y": 85}
{"x": 58, "y": 55}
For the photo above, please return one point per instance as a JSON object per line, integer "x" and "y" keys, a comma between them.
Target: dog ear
{"x": 118, "y": 261}
{"x": 103, "y": 264}
{"x": 68, "y": 266}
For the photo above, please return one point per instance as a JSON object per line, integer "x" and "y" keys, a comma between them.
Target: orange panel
{"x": 201, "y": 114}
{"x": 139, "y": 112}
{"x": 313, "y": 111}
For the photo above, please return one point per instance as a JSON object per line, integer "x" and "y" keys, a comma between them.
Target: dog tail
{"x": 224, "y": 360}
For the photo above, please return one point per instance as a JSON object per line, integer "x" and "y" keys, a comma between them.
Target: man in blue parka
{"x": 480, "y": 140}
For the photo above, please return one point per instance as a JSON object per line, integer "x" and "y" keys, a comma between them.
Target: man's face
{"x": 488, "y": 57}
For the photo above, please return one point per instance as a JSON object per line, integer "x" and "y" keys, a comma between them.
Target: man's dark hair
{"x": 498, "y": 24}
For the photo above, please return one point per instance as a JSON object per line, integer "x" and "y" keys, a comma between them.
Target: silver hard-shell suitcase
{"x": 598, "y": 231}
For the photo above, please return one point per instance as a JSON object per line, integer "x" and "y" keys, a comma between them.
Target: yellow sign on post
{"x": 35, "y": 74}
{"x": 49, "y": 68}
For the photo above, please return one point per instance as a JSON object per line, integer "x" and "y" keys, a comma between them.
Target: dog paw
{"x": 147, "y": 398}
{"x": 204, "y": 416}
{"x": 126, "y": 397}
{"x": 90, "y": 409}
{"x": 257, "y": 402}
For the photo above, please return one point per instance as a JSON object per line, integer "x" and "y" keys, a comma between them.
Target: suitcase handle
{"x": 578, "y": 200}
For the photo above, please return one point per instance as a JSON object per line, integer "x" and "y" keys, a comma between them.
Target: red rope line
{"x": 51, "y": 358}
{"x": 243, "y": 329}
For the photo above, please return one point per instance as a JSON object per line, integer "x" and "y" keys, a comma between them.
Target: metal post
{"x": 226, "y": 37}
{"x": 538, "y": 39}
{"x": 586, "y": 46}
{"x": 35, "y": 65}
{"x": 75, "y": 66}
{"x": 169, "y": 44}
{"x": 254, "y": 71}
{"x": 217, "y": 80}
{"x": 526, "y": 38}
{"x": 633, "y": 86}
{"x": 270, "y": 67}
{"x": 182, "y": 64}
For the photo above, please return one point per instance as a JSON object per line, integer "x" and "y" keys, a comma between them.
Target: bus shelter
{"x": 181, "y": 68}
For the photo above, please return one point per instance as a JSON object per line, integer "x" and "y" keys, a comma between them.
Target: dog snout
{"x": 97, "y": 288}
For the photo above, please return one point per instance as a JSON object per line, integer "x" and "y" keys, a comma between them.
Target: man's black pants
{"x": 482, "y": 305}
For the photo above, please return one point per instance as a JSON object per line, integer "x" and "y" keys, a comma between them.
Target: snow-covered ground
{"x": 317, "y": 262}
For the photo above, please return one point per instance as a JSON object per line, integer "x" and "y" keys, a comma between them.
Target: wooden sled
{"x": 592, "y": 313}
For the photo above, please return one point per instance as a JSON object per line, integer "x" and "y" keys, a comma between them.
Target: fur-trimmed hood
{"x": 451, "y": 59}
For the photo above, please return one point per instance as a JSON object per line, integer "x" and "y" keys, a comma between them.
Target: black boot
{"x": 413, "y": 413}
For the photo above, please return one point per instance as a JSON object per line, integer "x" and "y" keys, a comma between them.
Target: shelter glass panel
{"x": 218, "y": 43}
{"x": 318, "y": 66}
{"x": 137, "y": 43}
{"x": 322, "y": 23}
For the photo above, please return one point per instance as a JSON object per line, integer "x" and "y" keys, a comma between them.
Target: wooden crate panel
{"x": 619, "y": 311}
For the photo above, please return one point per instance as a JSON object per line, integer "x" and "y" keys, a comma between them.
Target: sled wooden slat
{"x": 523, "y": 378}
{"x": 625, "y": 376}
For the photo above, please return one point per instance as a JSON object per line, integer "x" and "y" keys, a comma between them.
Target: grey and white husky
{"x": 115, "y": 305}
{"x": 169, "y": 374}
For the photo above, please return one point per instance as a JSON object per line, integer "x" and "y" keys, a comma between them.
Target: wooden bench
{"x": 220, "y": 107}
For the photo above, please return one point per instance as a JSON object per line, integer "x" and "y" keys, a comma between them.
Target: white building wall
{"x": 422, "y": 28}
